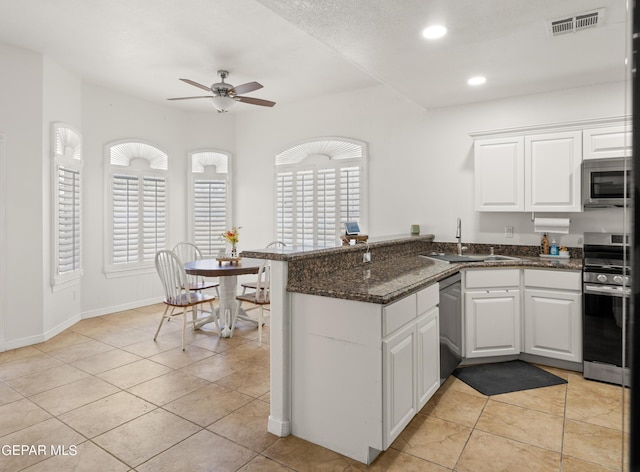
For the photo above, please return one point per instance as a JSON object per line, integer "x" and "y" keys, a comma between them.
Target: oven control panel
{"x": 607, "y": 279}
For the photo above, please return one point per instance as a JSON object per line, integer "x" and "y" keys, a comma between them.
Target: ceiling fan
{"x": 226, "y": 95}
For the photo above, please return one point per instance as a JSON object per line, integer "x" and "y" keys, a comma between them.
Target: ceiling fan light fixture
{"x": 222, "y": 104}
{"x": 434, "y": 32}
{"x": 478, "y": 80}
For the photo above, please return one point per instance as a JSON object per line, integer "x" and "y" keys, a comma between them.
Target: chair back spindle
{"x": 173, "y": 277}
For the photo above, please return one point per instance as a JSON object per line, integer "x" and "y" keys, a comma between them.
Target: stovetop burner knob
{"x": 601, "y": 278}
{"x": 617, "y": 279}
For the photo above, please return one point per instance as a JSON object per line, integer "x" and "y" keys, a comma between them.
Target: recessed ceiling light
{"x": 479, "y": 80}
{"x": 434, "y": 32}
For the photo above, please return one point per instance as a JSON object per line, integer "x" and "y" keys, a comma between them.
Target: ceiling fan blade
{"x": 255, "y": 101}
{"x": 246, "y": 88}
{"x": 189, "y": 98}
{"x": 196, "y": 84}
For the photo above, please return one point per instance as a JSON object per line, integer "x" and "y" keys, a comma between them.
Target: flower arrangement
{"x": 233, "y": 236}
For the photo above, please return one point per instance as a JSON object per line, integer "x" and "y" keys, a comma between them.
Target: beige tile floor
{"x": 103, "y": 396}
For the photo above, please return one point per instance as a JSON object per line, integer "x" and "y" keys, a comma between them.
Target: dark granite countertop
{"x": 389, "y": 280}
{"x": 396, "y": 269}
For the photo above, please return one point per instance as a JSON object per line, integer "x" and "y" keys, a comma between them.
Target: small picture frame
{"x": 351, "y": 228}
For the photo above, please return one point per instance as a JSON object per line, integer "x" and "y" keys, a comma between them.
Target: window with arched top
{"x": 210, "y": 197}
{"x": 137, "y": 196}
{"x": 66, "y": 145}
{"x": 320, "y": 184}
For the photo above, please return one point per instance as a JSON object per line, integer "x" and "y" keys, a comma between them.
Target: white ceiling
{"x": 308, "y": 48}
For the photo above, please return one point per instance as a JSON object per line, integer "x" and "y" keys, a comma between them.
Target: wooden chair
{"x": 260, "y": 297}
{"x": 252, "y": 285}
{"x": 188, "y": 252}
{"x": 177, "y": 294}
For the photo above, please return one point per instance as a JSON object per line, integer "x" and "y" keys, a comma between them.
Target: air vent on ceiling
{"x": 575, "y": 23}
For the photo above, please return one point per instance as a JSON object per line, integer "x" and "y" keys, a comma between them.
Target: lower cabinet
{"x": 411, "y": 372}
{"x": 553, "y": 314}
{"x": 492, "y": 312}
{"x": 550, "y": 310}
{"x": 428, "y": 347}
{"x": 361, "y": 371}
{"x": 400, "y": 383}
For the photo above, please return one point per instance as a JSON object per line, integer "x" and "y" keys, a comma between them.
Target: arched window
{"x": 66, "y": 144}
{"x": 137, "y": 216}
{"x": 210, "y": 199}
{"x": 320, "y": 184}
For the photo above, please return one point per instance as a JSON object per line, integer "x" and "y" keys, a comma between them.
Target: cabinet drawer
{"x": 492, "y": 278}
{"x": 428, "y": 298}
{"x": 558, "y": 279}
{"x": 398, "y": 314}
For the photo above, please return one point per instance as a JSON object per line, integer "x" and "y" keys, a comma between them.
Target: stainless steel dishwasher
{"x": 450, "y": 325}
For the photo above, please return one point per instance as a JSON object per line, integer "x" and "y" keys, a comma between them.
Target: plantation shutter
{"x": 350, "y": 194}
{"x": 326, "y": 207}
{"x": 125, "y": 219}
{"x": 68, "y": 219}
{"x": 210, "y": 215}
{"x": 305, "y": 208}
{"x": 154, "y": 216}
{"x": 284, "y": 207}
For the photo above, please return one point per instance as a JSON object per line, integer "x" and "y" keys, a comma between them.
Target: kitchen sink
{"x": 452, "y": 258}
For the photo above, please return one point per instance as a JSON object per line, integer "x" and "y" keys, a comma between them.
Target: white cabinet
{"x": 361, "y": 371}
{"x": 428, "y": 347}
{"x": 411, "y": 359}
{"x": 607, "y": 142}
{"x": 537, "y": 172}
{"x": 399, "y": 380}
{"x": 492, "y": 312}
{"x": 552, "y": 175}
{"x": 499, "y": 174}
{"x": 553, "y": 314}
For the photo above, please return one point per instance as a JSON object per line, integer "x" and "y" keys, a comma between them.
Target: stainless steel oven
{"x": 606, "y": 182}
{"x": 606, "y": 296}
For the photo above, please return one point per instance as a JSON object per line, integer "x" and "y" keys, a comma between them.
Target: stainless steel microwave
{"x": 606, "y": 182}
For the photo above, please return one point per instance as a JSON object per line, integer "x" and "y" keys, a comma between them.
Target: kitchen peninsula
{"x": 343, "y": 332}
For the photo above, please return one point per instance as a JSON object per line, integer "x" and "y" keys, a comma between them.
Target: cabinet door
{"x": 553, "y": 324}
{"x": 499, "y": 174}
{"x": 612, "y": 141}
{"x": 399, "y": 380}
{"x": 428, "y": 356}
{"x": 492, "y": 323}
{"x": 553, "y": 171}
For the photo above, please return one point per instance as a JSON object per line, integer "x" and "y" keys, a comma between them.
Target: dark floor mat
{"x": 505, "y": 377}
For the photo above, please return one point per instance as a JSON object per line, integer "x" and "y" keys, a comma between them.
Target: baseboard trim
{"x": 117, "y": 308}
{"x": 278, "y": 427}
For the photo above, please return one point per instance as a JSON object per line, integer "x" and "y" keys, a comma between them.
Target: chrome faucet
{"x": 459, "y": 237}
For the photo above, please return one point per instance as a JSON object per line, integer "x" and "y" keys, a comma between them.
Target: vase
{"x": 234, "y": 250}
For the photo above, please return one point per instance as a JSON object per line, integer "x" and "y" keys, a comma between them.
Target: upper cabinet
{"x": 539, "y": 172}
{"x": 540, "y": 168}
{"x": 552, "y": 177}
{"x": 611, "y": 141}
{"x": 499, "y": 174}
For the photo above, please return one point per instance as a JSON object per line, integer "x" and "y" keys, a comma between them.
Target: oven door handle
{"x": 607, "y": 290}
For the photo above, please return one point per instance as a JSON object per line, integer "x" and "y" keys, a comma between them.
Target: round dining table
{"x": 228, "y": 273}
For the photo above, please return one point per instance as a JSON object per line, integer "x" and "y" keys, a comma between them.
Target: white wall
{"x": 21, "y": 101}
{"x": 420, "y": 163}
{"x": 108, "y": 116}
{"x": 62, "y": 102}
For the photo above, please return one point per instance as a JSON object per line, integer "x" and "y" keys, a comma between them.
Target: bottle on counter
{"x": 553, "y": 250}
{"x": 544, "y": 244}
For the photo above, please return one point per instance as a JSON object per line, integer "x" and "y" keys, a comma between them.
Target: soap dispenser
{"x": 553, "y": 250}
{"x": 544, "y": 244}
